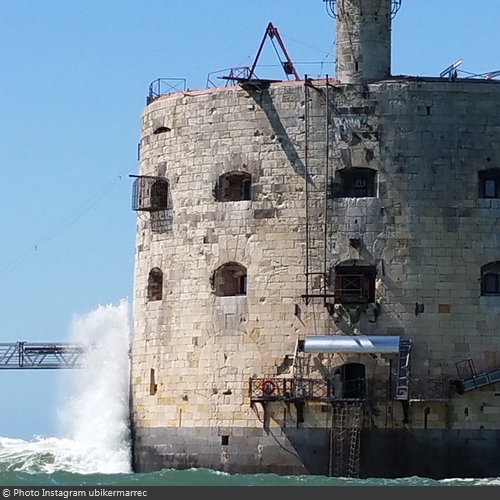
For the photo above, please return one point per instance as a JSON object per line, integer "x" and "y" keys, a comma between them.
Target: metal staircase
{"x": 469, "y": 379}
{"x": 345, "y": 439}
{"x": 403, "y": 380}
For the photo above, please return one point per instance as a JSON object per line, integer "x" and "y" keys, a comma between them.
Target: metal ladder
{"x": 403, "y": 381}
{"x": 317, "y": 161}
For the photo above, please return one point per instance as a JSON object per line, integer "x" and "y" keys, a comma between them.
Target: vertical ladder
{"x": 317, "y": 125}
{"x": 355, "y": 441}
{"x": 403, "y": 381}
{"x": 345, "y": 439}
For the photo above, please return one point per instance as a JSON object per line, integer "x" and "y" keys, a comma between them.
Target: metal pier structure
{"x": 40, "y": 355}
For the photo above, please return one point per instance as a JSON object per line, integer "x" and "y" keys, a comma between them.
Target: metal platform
{"x": 469, "y": 379}
{"x": 40, "y": 355}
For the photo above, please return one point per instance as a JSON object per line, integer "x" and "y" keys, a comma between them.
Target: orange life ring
{"x": 268, "y": 386}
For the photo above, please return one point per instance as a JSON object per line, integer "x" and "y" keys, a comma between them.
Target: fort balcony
{"x": 314, "y": 390}
{"x": 291, "y": 390}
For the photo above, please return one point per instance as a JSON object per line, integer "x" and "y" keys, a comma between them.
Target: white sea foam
{"x": 95, "y": 413}
{"x": 94, "y": 410}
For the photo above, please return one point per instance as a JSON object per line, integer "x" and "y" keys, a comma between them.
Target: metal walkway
{"x": 40, "y": 355}
{"x": 469, "y": 379}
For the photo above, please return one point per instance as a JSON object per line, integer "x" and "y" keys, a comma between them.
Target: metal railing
{"x": 40, "y": 355}
{"x": 430, "y": 389}
{"x": 230, "y": 75}
{"x": 322, "y": 390}
{"x": 305, "y": 389}
{"x": 165, "y": 86}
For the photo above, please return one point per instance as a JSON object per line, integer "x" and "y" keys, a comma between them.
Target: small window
{"x": 161, "y": 130}
{"x": 155, "y": 284}
{"x": 230, "y": 279}
{"x": 152, "y": 383}
{"x": 234, "y": 186}
{"x": 150, "y": 194}
{"x": 490, "y": 279}
{"x": 354, "y": 284}
{"x": 357, "y": 183}
{"x": 489, "y": 183}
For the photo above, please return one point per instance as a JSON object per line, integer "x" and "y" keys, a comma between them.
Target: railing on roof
{"x": 234, "y": 75}
{"x": 165, "y": 86}
{"x": 333, "y": 9}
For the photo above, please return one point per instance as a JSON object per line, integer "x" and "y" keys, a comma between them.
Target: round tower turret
{"x": 364, "y": 39}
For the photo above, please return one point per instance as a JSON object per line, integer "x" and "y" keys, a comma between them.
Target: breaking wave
{"x": 94, "y": 411}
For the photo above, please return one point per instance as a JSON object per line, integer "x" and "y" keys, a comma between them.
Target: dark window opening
{"x": 152, "y": 383}
{"x": 357, "y": 183}
{"x": 155, "y": 284}
{"x": 350, "y": 381}
{"x": 234, "y": 186}
{"x": 354, "y": 284}
{"x": 161, "y": 130}
{"x": 159, "y": 194}
{"x": 489, "y": 183}
{"x": 490, "y": 279}
{"x": 150, "y": 194}
{"x": 224, "y": 440}
{"x": 230, "y": 279}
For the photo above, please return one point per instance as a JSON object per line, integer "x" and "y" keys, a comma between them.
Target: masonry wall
{"x": 426, "y": 232}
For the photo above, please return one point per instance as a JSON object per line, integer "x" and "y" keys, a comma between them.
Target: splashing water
{"x": 94, "y": 415}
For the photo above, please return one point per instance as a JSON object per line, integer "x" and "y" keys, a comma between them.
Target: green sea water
{"x": 205, "y": 477}
{"x": 46, "y": 462}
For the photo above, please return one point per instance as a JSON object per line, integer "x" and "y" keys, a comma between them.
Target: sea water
{"x": 94, "y": 447}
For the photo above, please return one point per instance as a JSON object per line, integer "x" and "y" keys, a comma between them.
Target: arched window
{"x": 490, "y": 279}
{"x": 150, "y": 194}
{"x": 161, "y": 130}
{"x": 354, "y": 283}
{"x": 234, "y": 186}
{"x": 356, "y": 183}
{"x": 230, "y": 279}
{"x": 155, "y": 284}
{"x": 489, "y": 183}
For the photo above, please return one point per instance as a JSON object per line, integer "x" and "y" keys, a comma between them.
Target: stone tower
{"x": 317, "y": 271}
{"x": 363, "y": 40}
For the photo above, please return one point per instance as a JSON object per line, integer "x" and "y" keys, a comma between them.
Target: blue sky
{"x": 74, "y": 81}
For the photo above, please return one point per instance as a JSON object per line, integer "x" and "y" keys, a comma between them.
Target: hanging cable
{"x": 59, "y": 228}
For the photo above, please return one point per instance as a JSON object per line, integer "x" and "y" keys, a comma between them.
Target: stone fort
{"x": 317, "y": 270}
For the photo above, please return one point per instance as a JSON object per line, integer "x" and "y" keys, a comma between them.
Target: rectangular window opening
{"x": 490, "y": 188}
{"x": 152, "y": 383}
